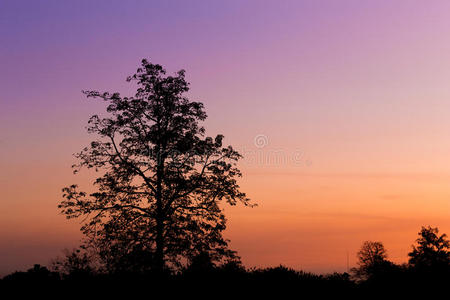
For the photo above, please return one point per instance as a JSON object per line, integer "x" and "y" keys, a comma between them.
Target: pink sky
{"x": 353, "y": 97}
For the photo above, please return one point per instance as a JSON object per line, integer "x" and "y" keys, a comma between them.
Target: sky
{"x": 340, "y": 109}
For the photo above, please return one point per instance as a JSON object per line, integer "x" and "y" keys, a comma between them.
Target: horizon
{"x": 340, "y": 110}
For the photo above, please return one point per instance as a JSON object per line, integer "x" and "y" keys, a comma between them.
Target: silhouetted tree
{"x": 162, "y": 181}
{"x": 371, "y": 261}
{"x": 432, "y": 250}
{"x": 76, "y": 264}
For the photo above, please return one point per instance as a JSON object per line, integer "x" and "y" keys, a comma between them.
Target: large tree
{"x": 161, "y": 179}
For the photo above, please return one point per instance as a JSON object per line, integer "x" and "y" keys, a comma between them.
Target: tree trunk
{"x": 159, "y": 255}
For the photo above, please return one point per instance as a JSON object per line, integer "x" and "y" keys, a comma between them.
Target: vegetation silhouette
{"x": 372, "y": 261}
{"x": 431, "y": 251}
{"x": 157, "y": 203}
{"x": 203, "y": 277}
{"x": 429, "y": 260}
{"x": 374, "y": 269}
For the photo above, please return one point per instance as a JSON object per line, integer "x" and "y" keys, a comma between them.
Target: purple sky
{"x": 361, "y": 88}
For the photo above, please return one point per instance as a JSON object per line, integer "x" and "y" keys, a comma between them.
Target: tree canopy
{"x": 161, "y": 178}
{"x": 432, "y": 250}
{"x": 371, "y": 260}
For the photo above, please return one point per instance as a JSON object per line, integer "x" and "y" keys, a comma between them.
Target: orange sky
{"x": 352, "y": 99}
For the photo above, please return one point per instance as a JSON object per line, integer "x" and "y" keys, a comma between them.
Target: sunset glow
{"x": 340, "y": 108}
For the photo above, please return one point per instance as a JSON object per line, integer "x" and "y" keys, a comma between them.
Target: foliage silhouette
{"x": 162, "y": 180}
{"x": 38, "y": 274}
{"x": 201, "y": 263}
{"x": 76, "y": 264}
{"x": 372, "y": 261}
{"x": 204, "y": 278}
{"x": 432, "y": 250}
{"x": 429, "y": 260}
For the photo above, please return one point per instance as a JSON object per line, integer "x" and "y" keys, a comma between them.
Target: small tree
{"x": 162, "y": 180}
{"x": 76, "y": 264}
{"x": 432, "y": 250}
{"x": 371, "y": 260}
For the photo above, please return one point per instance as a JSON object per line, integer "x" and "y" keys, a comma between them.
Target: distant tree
{"x": 372, "y": 261}
{"x": 432, "y": 250}
{"x": 75, "y": 264}
{"x": 162, "y": 180}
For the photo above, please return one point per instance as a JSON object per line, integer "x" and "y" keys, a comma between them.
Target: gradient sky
{"x": 352, "y": 97}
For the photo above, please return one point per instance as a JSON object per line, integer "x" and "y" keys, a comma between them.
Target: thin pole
{"x": 348, "y": 267}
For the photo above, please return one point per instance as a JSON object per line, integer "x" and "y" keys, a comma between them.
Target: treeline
{"x": 428, "y": 268}
{"x": 428, "y": 264}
